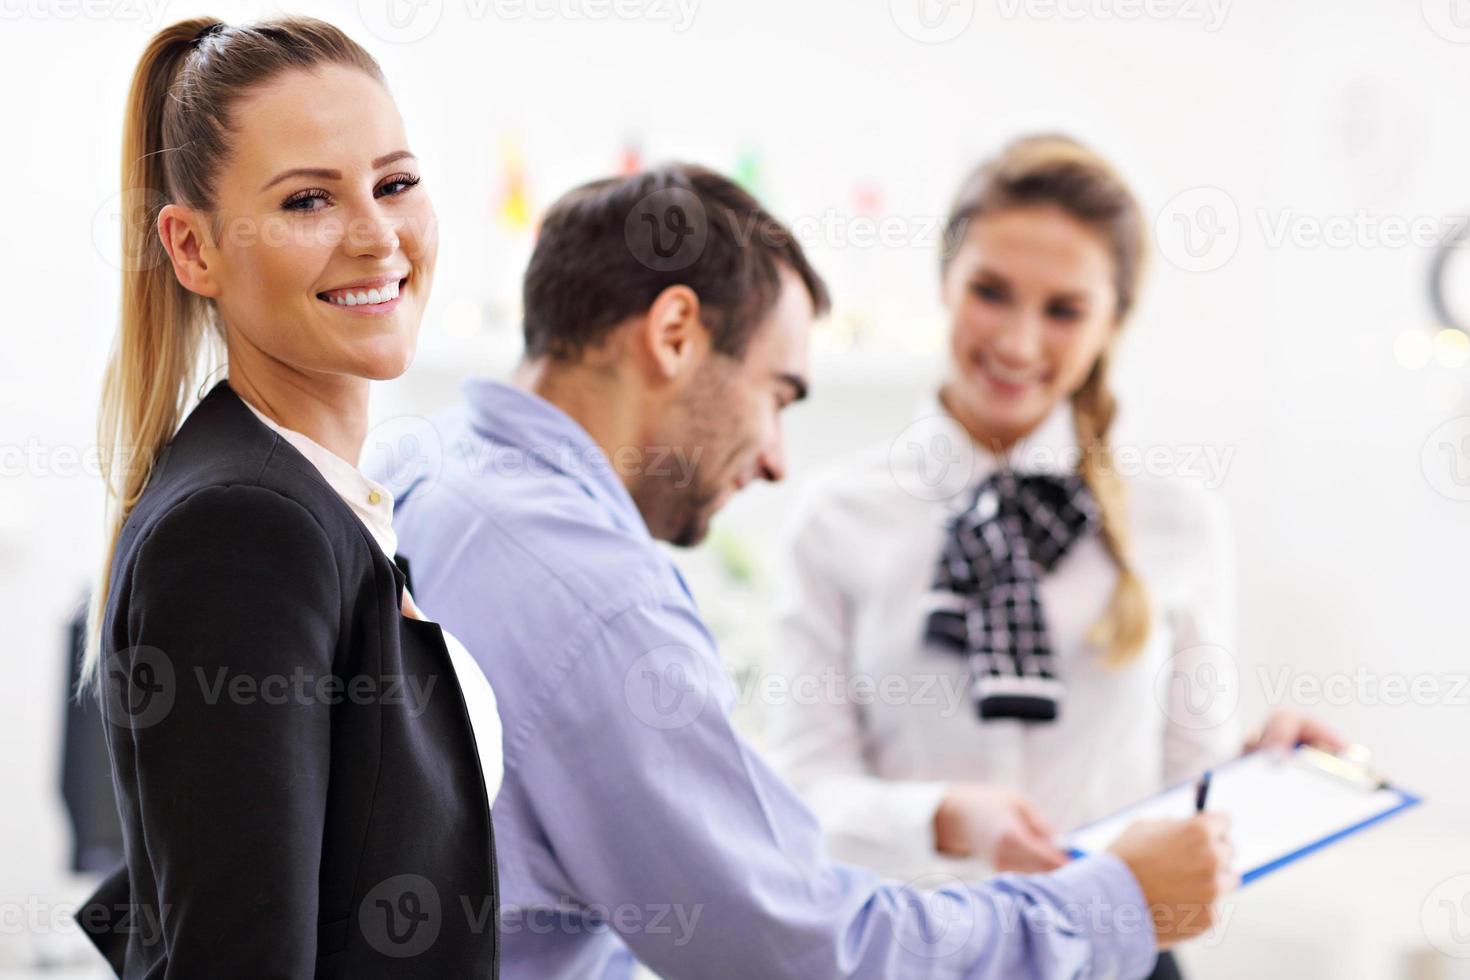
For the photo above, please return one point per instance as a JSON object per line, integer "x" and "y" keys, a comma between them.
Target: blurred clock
{"x": 1449, "y": 279}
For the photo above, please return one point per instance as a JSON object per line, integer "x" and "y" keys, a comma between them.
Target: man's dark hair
{"x": 607, "y": 249}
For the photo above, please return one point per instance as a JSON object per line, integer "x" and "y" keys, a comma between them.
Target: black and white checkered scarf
{"x": 986, "y": 597}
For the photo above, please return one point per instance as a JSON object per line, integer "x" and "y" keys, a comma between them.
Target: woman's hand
{"x": 1288, "y": 728}
{"x": 997, "y": 824}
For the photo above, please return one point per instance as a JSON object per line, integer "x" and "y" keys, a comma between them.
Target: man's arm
{"x": 654, "y": 805}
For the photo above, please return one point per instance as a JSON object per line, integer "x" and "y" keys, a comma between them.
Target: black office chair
{"x": 86, "y": 777}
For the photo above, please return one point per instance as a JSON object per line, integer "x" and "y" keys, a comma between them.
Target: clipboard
{"x": 1282, "y": 806}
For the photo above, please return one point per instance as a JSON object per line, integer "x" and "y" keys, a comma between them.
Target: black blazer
{"x": 295, "y": 769}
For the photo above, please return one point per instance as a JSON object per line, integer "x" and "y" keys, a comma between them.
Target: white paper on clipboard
{"x": 1281, "y": 808}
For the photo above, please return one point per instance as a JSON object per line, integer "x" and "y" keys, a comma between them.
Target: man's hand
{"x": 998, "y": 825}
{"x": 1183, "y": 867}
{"x": 1287, "y": 728}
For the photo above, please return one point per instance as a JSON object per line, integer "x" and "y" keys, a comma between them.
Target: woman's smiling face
{"x": 1032, "y": 304}
{"x": 324, "y": 243}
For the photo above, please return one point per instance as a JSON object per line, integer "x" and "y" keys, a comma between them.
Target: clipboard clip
{"x": 1351, "y": 765}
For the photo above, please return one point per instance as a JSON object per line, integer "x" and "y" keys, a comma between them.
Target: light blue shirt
{"x": 633, "y": 820}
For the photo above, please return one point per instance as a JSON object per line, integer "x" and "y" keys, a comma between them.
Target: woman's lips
{"x": 1007, "y": 383}
{"x": 371, "y": 300}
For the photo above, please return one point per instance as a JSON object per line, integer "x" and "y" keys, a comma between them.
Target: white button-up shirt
{"x": 877, "y": 723}
{"x": 373, "y": 504}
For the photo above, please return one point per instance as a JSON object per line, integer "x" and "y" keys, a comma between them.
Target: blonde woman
{"x": 1029, "y": 611}
{"x": 304, "y": 766}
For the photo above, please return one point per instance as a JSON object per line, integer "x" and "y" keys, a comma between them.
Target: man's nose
{"x": 773, "y": 459}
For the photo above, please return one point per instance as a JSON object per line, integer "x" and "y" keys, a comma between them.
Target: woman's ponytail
{"x": 158, "y": 340}
{"x": 1123, "y": 629}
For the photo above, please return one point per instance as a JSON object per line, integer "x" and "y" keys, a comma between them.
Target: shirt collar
{"x": 527, "y": 422}
{"x": 370, "y": 501}
{"x": 935, "y": 437}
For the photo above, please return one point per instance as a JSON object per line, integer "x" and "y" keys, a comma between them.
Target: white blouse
{"x": 878, "y": 723}
{"x": 373, "y": 504}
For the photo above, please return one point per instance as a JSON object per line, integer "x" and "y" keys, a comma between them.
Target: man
{"x": 666, "y": 326}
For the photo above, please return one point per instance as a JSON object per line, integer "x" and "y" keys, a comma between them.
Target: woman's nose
{"x": 1018, "y": 339}
{"x": 372, "y": 232}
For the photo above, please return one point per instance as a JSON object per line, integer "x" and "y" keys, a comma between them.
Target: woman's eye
{"x": 316, "y": 199}
{"x": 398, "y": 184}
{"x": 307, "y": 201}
{"x": 988, "y": 292}
{"x": 1066, "y": 314}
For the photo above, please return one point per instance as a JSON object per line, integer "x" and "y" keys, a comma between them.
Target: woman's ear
{"x": 185, "y": 236}
{"x": 673, "y": 337}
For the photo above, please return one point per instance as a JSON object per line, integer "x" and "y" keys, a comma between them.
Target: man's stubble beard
{"x": 690, "y": 508}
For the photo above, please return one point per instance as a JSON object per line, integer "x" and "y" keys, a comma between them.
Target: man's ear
{"x": 673, "y": 338}
{"x": 185, "y": 235}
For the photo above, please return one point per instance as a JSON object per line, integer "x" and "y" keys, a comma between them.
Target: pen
{"x": 1201, "y": 791}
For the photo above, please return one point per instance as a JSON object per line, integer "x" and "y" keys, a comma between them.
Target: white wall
{"x": 1283, "y": 355}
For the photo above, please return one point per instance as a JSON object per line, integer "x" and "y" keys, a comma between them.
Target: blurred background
{"x": 1300, "y": 348}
